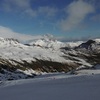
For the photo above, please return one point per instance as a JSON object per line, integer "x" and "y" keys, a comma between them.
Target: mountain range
{"x": 45, "y": 55}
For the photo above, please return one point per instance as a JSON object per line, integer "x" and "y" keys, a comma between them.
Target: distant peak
{"x": 89, "y": 42}
{"x": 49, "y": 37}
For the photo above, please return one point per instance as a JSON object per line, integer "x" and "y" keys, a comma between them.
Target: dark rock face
{"x": 89, "y": 42}
{"x": 39, "y": 66}
{"x": 87, "y": 45}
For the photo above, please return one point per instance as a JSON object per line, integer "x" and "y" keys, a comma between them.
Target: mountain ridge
{"x": 25, "y": 61}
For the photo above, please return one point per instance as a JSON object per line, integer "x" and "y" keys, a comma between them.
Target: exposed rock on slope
{"x": 46, "y": 55}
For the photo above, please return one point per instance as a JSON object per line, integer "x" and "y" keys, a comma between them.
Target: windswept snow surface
{"x": 53, "y": 87}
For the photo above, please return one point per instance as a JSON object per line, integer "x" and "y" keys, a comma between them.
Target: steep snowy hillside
{"x": 91, "y": 45}
{"x": 18, "y": 60}
{"x": 44, "y": 56}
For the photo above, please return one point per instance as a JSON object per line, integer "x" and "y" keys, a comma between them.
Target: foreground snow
{"x": 53, "y": 87}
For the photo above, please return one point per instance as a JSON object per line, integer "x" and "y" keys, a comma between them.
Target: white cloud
{"x": 18, "y": 4}
{"x": 8, "y": 33}
{"x": 77, "y": 12}
{"x": 24, "y": 6}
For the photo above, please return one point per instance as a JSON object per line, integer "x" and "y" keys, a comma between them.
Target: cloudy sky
{"x": 65, "y": 19}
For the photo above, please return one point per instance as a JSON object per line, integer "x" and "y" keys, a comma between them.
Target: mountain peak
{"x": 89, "y": 45}
{"x": 47, "y": 41}
{"x": 48, "y": 37}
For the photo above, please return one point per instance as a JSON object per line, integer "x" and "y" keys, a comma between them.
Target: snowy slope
{"x": 18, "y": 60}
{"x": 88, "y": 71}
{"x": 55, "y": 87}
{"x": 10, "y": 49}
{"x": 97, "y": 40}
{"x": 91, "y": 45}
{"x": 48, "y": 41}
{"x": 73, "y": 44}
{"x": 45, "y": 55}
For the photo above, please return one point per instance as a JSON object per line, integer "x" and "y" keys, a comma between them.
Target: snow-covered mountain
{"x": 49, "y": 41}
{"x": 91, "y": 44}
{"x": 45, "y": 55}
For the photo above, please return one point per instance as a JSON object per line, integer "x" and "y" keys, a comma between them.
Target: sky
{"x": 65, "y": 19}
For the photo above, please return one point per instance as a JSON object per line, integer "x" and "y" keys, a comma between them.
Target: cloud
{"x": 18, "y": 6}
{"x": 96, "y": 18}
{"x": 76, "y": 12}
{"x": 25, "y": 7}
{"x": 48, "y": 11}
{"x": 6, "y": 32}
